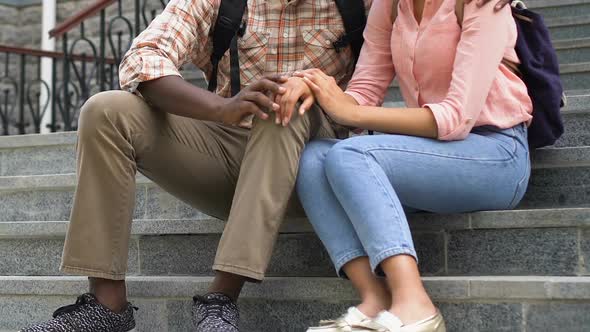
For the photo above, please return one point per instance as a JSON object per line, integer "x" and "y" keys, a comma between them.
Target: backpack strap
{"x": 354, "y": 20}
{"x": 228, "y": 27}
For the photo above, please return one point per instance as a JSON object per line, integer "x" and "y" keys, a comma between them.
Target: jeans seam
{"x": 352, "y": 254}
{"x": 387, "y": 194}
{"x": 371, "y": 149}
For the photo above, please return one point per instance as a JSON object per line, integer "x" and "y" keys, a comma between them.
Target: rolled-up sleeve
{"x": 180, "y": 33}
{"x": 484, "y": 40}
{"x": 374, "y": 70}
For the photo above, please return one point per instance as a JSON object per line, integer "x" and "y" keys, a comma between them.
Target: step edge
{"x": 563, "y": 44}
{"x": 34, "y": 140}
{"x": 68, "y": 180}
{"x": 69, "y": 138}
{"x": 482, "y": 220}
{"x": 557, "y": 22}
{"x": 307, "y": 288}
{"x": 573, "y": 68}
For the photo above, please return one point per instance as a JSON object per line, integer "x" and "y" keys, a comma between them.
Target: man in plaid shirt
{"x": 233, "y": 158}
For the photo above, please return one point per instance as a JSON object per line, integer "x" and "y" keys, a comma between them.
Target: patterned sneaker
{"x": 215, "y": 312}
{"x": 87, "y": 315}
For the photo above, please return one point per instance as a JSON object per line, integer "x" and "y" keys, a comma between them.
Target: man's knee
{"x": 302, "y": 126}
{"x": 104, "y": 109}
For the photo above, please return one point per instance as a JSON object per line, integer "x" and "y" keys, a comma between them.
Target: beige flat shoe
{"x": 353, "y": 321}
{"x": 390, "y": 323}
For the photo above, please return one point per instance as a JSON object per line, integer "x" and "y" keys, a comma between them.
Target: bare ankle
{"x": 110, "y": 293}
{"x": 375, "y": 302}
{"x": 228, "y": 284}
{"x": 372, "y": 307}
{"x": 413, "y": 310}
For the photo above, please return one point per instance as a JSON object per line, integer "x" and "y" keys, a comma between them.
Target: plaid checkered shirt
{"x": 282, "y": 36}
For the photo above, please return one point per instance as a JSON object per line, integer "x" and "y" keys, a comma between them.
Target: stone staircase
{"x": 521, "y": 270}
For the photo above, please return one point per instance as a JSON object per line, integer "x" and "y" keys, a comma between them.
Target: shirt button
{"x": 328, "y": 42}
{"x": 285, "y": 35}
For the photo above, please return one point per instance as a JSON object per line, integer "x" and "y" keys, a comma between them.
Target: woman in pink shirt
{"x": 459, "y": 146}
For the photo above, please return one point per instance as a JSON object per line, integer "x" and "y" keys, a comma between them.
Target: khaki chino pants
{"x": 243, "y": 176}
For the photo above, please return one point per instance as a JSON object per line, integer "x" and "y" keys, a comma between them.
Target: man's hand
{"x": 296, "y": 90}
{"x": 499, "y": 5}
{"x": 253, "y": 100}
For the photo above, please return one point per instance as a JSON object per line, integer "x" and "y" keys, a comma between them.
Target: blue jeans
{"x": 355, "y": 191}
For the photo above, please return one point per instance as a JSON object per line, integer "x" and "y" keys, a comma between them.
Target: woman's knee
{"x": 311, "y": 163}
{"x": 345, "y": 155}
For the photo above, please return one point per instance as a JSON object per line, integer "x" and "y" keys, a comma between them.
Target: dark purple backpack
{"x": 540, "y": 72}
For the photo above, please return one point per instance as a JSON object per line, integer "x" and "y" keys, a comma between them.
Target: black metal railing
{"x": 92, "y": 45}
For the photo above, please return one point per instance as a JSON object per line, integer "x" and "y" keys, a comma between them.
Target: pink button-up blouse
{"x": 453, "y": 70}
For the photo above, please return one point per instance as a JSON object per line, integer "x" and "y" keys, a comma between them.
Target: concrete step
{"x": 559, "y": 8}
{"x": 569, "y": 27}
{"x": 519, "y": 242}
{"x": 575, "y": 76}
{"x": 530, "y": 303}
{"x": 573, "y": 50}
{"x": 48, "y": 197}
{"x": 55, "y": 153}
{"x": 195, "y": 76}
{"x": 563, "y": 185}
{"x": 576, "y": 118}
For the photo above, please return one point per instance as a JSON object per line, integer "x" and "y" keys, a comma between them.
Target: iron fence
{"x": 87, "y": 63}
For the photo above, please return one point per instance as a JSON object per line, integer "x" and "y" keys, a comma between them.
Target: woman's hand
{"x": 296, "y": 90}
{"x": 329, "y": 95}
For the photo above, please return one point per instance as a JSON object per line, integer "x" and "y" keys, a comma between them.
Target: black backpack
{"x": 540, "y": 71}
{"x": 229, "y": 27}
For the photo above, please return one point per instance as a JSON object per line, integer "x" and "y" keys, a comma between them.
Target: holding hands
{"x": 253, "y": 100}
{"x": 296, "y": 90}
{"x": 329, "y": 95}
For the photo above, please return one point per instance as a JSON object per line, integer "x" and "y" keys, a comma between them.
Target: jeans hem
{"x": 379, "y": 258}
{"x": 340, "y": 262}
